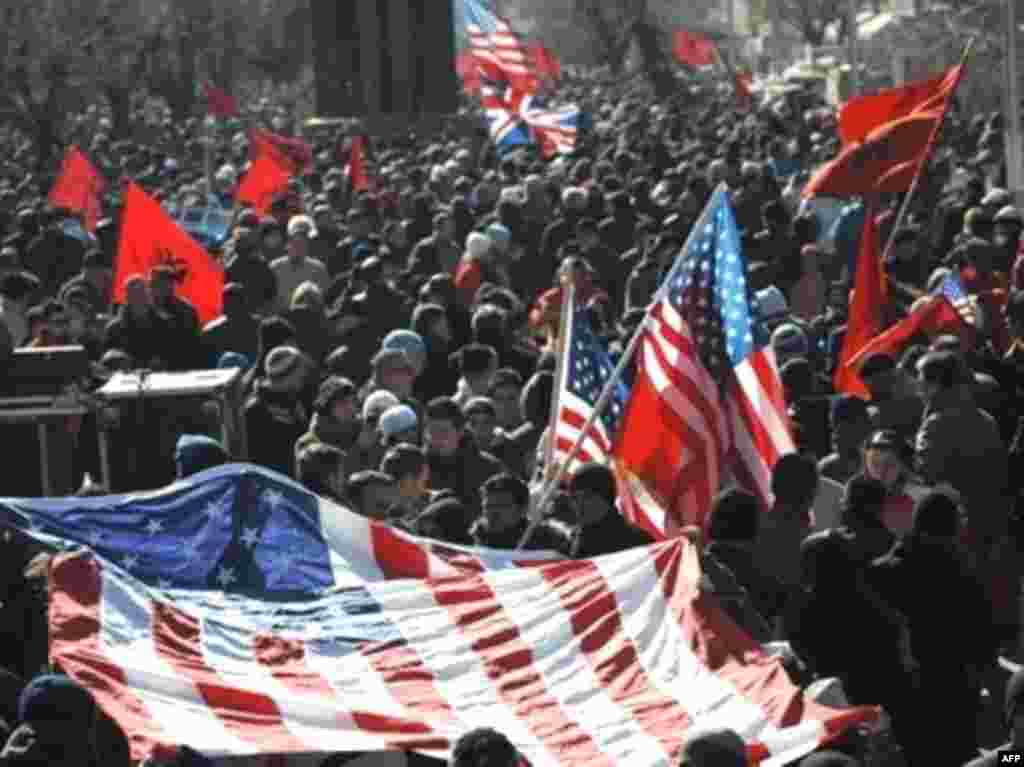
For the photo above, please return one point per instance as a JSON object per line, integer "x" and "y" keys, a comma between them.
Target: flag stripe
{"x": 496, "y": 639}
{"x": 590, "y": 603}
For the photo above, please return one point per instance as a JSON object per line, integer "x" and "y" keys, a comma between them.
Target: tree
{"x": 810, "y": 18}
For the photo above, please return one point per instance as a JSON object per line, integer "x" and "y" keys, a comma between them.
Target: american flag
{"x": 707, "y": 399}
{"x": 555, "y": 129}
{"x": 585, "y": 369}
{"x": 498, "y": 51}
{"x": 580, "y": 663}
{"x": 952, "y": 289}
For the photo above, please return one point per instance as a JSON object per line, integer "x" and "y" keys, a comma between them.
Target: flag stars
{"x": 130, "y": 562}
{"x": 154, "y": 526}
{"x": 250, "y": 537}
{"x": 226, "y": 577}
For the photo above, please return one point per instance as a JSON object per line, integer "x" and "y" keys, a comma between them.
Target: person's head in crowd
{"x": 825, "y": 563}
{"x": 337, "y": 401}
{"x": 477, "y": 365}
{"x": 399, "y": 424}
{"x": 735, "y": 518}
{"x": 939, "y": 373}
{"x": 320, "y": 468}
{"x": 58, "y": 718}
{"x": 162, "y": 281}
{"x": 1014, "y": 314}
{"x": 407, "y": 464}
{"x": 478, "y": 247}
{"x": 197, "y": 452}
{"x": 593, "y": 490}
{"x": 938, "y": 516}
{"x": 285, "y": 370}
{"x": 430, "y": 322}
{"x": 271, "y": 237}
{"x": 1009, "y": 223}
{"x": 994, "y": 200}
{"x": 879, "y": 374}
{"x": 484, "y": 747}
{"x": 94, "y": 268}
{"x": 505, "y": 392}
{"x": 789, "y": 341}
{"x": 887, "y": 458}
{"x": 394, "y": 372}
{"x": 440, "y": 290}
{"x": 412, "y": 344}
{"x": 301, "y": 230}
{"x": 307, "y": 296}
{"x": 446, "y": 518}
{"x": 481, "y": 421}
{"x": 909, "y": 359}
{"x": 714, "y": 748}
{"x": 850, "y": 423}
{"x": 489, "y": 325}
{"x": 501, "y": 240}
{"x": 372, "y": 494}
{"x": 443, "y": 428}
{"x": 504, "y": 502}
{"x": 862, "y": 503}
{"x": 360, "y": 223}
{"x": 232, "y": 360}
{"x": 235, "y": 302}
{"x": 587, "y": 234}
{"x": 797, "y": 377}
{"x": 772, "y": 308}
{"x": 273, "y": 332}
{"x": 794, "y": 484}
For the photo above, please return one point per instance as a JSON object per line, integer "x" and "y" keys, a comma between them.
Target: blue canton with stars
{"x": 589, "y": 368}
{"x": 236, "y": 528}
{"x": 709, "y": 290}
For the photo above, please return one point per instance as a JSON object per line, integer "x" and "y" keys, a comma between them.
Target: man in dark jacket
{"x": 248, "y": 268}
{"x": 456, "y": 463}
{"x": 178, "y": 321}
{"x": 236, "y": 330}
{"x": 601, "y": 529}
{"x": 504, "y": 502}
{"x": 274, "y": 415}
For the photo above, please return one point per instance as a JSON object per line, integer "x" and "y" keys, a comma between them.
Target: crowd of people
{"x": 399, "y": 354}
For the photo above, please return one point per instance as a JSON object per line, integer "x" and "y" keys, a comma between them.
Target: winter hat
{"x": 500, "y": 236}
{"x": 478, "y": 245}
{"x": 405, "y": 340}
{"x": 788, "y": 340}
{"x": 55, "y": 697}
{"x": 332, "y": 389}
{"x": 391, "y": 358}
{"x": 229, "y": 360}
{"x": 722, "y": 748}
{"x": 397, "y": 419}
{"x": 197, "y": 452}
{"x": 295, "y": 223}
{"x": 282, "y": 362}
{"x": 378, "y": 402}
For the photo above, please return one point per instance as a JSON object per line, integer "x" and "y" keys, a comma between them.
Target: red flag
{"x": 151, "y": 238}
{"x": 859, "y": 167}
{"x": 545, "y": 63}
{"x": 294, "y": 154}
{"x": 265, "y": 180}
{"x": 78, "y": 188}
{"x": 936, "y": 317}
{"x": 357, "y": 172}
{"x": 693, "y": 49}
{"x": 742, "y": 81}
{"x": 218, "y": 102}
{"x": 861, "y": 115}
{"x": 865, "y": 320}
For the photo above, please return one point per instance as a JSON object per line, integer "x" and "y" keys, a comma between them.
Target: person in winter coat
{"x": 952, "y": 636}
{"x": 274, "y": 415}
{"x": 601, "y": 528}
{"x": 439, "y": 377}
{"x": 307, "y": 313}
{"x": 273, "y": 332}
{"x": 503, "y": 521}
{"x": 456, "y": 463}
{"x": 491, "y": 328}
{"x": 887, "y": 458}
{"x": 335, "y": 419}
{"x": 477, "y": 365}
{"x": 134, "y": 328}
{"x": 236, "y": 330}
{"x": 368, "y": 450}
{"x": 246, "y": 267}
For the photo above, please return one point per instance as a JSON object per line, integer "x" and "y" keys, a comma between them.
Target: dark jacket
{"x": 608, "y": 536}
{"x": 766, "y": 593}
{"x": 548, "y": 535}
{"x": 255, "y": 275}
{"x": 230, "y": 334}
{"x": 273, "y": 424}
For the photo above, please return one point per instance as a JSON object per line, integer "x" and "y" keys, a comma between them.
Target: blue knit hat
{"x": 230, "y": 360}
{"x": 406, "y": 341}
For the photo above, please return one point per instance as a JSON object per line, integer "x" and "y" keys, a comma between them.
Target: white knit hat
{"x": 377, "y": 403}
{"x": 478, "y": 245}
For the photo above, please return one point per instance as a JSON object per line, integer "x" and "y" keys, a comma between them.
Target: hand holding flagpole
{"x": 613, "y": 380}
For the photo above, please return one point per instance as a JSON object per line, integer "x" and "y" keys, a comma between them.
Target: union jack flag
{"x": 502, "y": 106}
{"x": 555, "y": 130}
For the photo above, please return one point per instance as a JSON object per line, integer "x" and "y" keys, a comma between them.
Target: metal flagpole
{"x": 620, "y": 368}
{"x": 568, "y": 307}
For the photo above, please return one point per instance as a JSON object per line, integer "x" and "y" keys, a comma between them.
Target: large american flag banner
{"x": 706, "y": 402}
{"x": 496, "y": 48}
{"x": 602, "y": 662}
{"x": 584, "y": 370}
{"x": 243, "y": 529}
